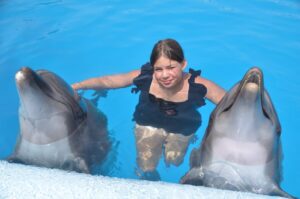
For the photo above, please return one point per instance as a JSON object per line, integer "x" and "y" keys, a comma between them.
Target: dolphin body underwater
{"x": 58, "y": 128}
{"x": 241, "y": 148}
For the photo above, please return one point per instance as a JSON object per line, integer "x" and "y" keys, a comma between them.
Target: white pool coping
{"x": 21, "y": 181}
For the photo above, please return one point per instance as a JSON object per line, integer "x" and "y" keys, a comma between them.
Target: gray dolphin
{"x": 241, "y": 148}
{"x": 58, "y": 128}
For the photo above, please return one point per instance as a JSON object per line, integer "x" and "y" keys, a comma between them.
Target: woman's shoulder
{"x": 146, "y": 68}
{"x": 214, "y": 92}
{"x": 143, "y": 78}
{"x": 206, "y": 82}
{"x": 201, "y": 80}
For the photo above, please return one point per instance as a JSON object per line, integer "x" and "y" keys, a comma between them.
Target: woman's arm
{"x": 107, "y": 82}
{"x": 214, "y": 92}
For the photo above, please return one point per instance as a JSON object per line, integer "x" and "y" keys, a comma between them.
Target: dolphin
{"x": 241, "y": 148}
{"x": 58, "y": 127}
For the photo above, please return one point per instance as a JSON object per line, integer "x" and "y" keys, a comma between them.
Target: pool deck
{"x": 20, "y": 181}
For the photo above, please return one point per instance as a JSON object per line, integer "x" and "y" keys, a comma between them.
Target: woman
{"x": 166, "y": 115}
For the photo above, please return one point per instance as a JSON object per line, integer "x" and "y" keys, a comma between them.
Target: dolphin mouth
{"x": 28, "y": 78}
{"x": 25, "y": 74}
{"x": 253, "y": 76}
{"x": 252, "y": 82}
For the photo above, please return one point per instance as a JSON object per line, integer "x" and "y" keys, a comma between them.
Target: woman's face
{"x": 168, "y": 73}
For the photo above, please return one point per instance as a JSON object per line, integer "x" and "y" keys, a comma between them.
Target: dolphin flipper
{"x": 14, "y": 159}
{"x": 97, "y": 94}
{"x": 193, "y": 177}
{"x": 279, "y": 192}
{"x": 78, "y": 164}
{"x": 195, "y": 158}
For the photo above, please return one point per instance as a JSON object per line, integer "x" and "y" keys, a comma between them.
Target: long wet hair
{"x": 169, "y": 48}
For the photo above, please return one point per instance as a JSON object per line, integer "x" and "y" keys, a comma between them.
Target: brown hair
{"x": 169, "y": 48}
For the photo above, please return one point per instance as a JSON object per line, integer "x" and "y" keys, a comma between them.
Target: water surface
{"x": 81, "y": 39}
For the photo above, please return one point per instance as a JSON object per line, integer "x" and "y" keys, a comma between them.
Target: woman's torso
{"x": 175, "y": 112}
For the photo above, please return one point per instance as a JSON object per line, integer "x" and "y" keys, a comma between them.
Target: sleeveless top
{"x": 174, "y": 117}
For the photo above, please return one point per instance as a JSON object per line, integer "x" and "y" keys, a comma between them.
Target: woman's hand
{"x": 76, "y": 86}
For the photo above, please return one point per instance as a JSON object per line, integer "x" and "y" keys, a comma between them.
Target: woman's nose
{"x": 165, "y": 73}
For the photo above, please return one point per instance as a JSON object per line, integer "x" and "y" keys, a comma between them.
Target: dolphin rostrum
{"x": 58, "y": 128}
{"x": 241, "y": 148}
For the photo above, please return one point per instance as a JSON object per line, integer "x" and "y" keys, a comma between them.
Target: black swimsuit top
{"x": 174, "y": 117}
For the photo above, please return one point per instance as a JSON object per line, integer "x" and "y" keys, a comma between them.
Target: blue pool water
{"x": 80, "y": 39}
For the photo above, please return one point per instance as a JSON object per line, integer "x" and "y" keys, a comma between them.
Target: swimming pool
{"x": 81, "y": 39}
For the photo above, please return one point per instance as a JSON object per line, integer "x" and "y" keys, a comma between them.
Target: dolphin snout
{"x": 255, "y": 69}
{"x": 254, "y": 76}
{"x": 23, "y": 74}
{"x": 27, "y": 71}
{"x": 19, "y": 76}
{"x": 252, "y": 87}
{"x": 252, "y": 83}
